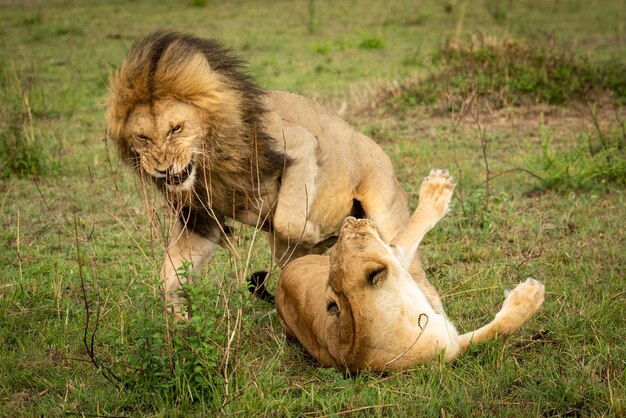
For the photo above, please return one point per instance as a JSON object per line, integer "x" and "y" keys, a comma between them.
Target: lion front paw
{"x": 436, "y": 192}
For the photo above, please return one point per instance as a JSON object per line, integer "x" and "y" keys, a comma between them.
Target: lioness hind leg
{"x": 520, "y": 304}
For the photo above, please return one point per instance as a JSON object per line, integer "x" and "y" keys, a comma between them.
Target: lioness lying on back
{"x": 362, "y": 308}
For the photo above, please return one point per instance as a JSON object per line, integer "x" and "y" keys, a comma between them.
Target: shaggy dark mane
{"x": 219, "y": 57}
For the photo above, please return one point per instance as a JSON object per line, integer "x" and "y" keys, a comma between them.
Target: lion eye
{"x": 141, "y": 137}
{"x": 332, "y": 308}
{"x": 377, "y": 275}
{"x": 177, "y": 128}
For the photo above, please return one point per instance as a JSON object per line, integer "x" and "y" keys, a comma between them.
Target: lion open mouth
{"x": 180, "y": 177}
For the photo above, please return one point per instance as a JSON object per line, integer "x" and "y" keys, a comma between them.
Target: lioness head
{"x": 167, "y": 136}
{"x": 367, "y": 287}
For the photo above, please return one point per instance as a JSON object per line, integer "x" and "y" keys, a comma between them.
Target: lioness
{"x": 183, "y": 114}
{"x": 362, "y": 308}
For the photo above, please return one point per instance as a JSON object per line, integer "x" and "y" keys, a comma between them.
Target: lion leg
{"x": 298, "y": 189}
{"x": 520, "y": 304}
{"x": 184, "y": 247}
{"x": 283, "y": 252}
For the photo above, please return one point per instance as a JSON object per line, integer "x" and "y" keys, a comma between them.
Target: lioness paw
{"x": 436, "y": 192}
{"x": 523, "y": 301}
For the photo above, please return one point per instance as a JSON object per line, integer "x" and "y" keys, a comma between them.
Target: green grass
{"x": 508, "y": 72}
{"x": 541, "y": 210}
{"x": 596, "y": 160}
{"x": 26, "y": 147}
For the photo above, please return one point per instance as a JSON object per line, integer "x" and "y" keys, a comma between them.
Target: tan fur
{"x": 183, "y": 114}
{"x": 363, "y": 308}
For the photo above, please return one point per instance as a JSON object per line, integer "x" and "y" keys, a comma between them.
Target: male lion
{"x": 183, "y": 114}
{"x": 361, "y": 307}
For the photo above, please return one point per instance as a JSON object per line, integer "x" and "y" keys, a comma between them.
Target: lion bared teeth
{"x": 180, "y": 177}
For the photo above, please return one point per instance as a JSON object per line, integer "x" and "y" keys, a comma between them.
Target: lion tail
{"x": 256, "y": 286}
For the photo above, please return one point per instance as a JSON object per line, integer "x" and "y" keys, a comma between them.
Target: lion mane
{"x": 238, "y": 156}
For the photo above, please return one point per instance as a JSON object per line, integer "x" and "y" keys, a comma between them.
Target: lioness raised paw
{"x": 520, "y": 304}
{"x": 436, "y": 192}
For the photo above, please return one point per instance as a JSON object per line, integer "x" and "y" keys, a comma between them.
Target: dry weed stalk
{"x": 471, "y": 109}
{"x": 19, "y": 253}
{"x": 457, "y": 119}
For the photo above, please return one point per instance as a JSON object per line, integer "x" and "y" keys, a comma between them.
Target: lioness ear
{"x": 377, "y": 275}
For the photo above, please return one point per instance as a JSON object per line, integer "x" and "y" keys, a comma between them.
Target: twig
{"x": 363, "y": 408}
{"x": 89, "y": 346}
{"x": 484, "y": 144}
{"x": 422, "y": 329}
{"x": 19, "y": 256}
{"x": 622, "y": 126}
{"x": 67, "y": 230}
{"x": 456, "y": 121}
{"x": 595, "y": 119}
{"x": 478, "y": 289}
{"x": 509, "y": 171}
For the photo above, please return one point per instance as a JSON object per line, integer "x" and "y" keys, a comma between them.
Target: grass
{"x": 82, "y": 232}
{"x": 512, "y": 73}
{"x": 596, "y": 160}
{"x": 26, "y": 147}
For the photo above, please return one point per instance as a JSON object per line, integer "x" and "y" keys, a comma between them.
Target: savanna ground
{"x": 523, "y": 101}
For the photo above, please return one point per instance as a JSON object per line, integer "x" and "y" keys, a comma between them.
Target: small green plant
{"x": 371, "y": 43}
{"x": 596, "y": 161}
{"x": 322, "y": 47}
{"x": 32, "y": 20}
{"x": 411, "y": 60}
{"x": 198, "y": 3}
{"x": 187, "y": 362}
{"x": 498, "y": 9}
{"x": 25, "y": 147}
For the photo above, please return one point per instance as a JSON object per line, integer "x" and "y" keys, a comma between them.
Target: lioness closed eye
{"x": 184, "y": 116}
{"x": 363, "y": 308}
